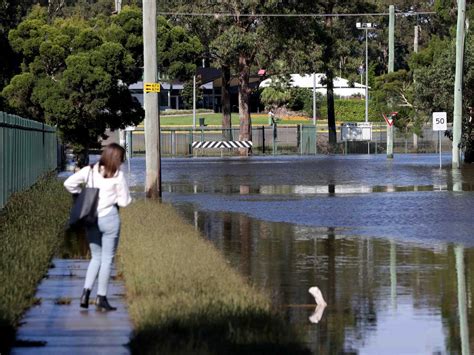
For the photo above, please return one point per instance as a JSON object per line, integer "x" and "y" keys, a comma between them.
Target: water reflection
{"x": 462, "y": 306}
{"x": 378, "y": 291}
{"x": 393, "y": 274}
{"x": 375, "y": 236}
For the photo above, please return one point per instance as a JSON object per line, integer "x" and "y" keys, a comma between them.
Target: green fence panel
{"x": 28, "y": 149}
{"x": 308, "y": 136}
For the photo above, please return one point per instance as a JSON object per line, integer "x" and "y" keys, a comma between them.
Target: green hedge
{"x": 183, "y": 296}
{"x": 347, "y": 110}
{"x": 30, "y": 227}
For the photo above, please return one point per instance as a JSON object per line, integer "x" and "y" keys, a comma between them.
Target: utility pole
{"x": 152, "y": 112}
{"x": 457, "y": 114}
{"x": 391, "y": 64}
{"x": 122, "y": 132}
{"x": 118, "y": 6}
{"x": 416, "y": 40}
{"x": 415, "y": 49}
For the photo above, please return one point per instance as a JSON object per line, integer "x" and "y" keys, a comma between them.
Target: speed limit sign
{"x": 440, "y": 121}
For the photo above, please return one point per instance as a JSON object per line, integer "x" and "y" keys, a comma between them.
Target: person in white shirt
{"x": 104, "y": 236}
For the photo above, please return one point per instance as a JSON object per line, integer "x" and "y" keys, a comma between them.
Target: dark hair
{"x": 112, "y": 157}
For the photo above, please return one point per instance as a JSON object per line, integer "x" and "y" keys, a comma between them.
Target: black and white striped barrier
{"x": 222, "y": 144}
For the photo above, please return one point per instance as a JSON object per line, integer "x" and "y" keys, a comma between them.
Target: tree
{"x": 393, "y": 92}
{"x": 434, "y": 70}
{"x": 73, "y": 78}
{"x": 178, "y": 51}
{"x": 236, "y": 44}
{"x": 11, "y": 13}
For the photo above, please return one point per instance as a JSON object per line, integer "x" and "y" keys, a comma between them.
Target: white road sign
{"x": 359, "y": 131}
{"x": 440, "y": 121}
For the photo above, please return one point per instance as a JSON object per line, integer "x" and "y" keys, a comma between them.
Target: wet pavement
{"x": 389, "y": 243}
{"x": 57, "y": 325}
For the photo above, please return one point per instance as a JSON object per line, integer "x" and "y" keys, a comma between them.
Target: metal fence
{"x": 28, "y": 149}
{"x": 290, "y": 139}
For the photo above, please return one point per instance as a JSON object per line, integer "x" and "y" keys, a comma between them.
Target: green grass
{"x": 30, "y": 228}
{"x": 184, "y": 297}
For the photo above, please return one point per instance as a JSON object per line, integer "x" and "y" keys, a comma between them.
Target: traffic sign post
{"x": 440, "y": 123}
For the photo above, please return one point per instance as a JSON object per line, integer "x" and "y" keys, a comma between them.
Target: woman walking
{"x": 103, "y": 237}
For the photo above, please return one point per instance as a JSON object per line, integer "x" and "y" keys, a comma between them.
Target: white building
{"x": 341, "y": 86}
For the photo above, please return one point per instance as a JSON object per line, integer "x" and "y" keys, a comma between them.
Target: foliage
{"x": 73, "y": 77}
{"x": 278, "y": 93}
{"x": 187, "y": 94}
{"x": 178, "y": 51}
{"x": 11, "y": 13}
{"x": 301, "y": 99}
{"x": 393, "y": 92}
{"x": 184, "y": 297}
{"x": 30, "y": 227}
{"x": 434, "y": 81}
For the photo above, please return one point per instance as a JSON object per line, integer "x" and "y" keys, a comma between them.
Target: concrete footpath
{"x": 56, "y": 327}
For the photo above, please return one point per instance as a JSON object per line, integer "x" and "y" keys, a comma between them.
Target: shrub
{"x": 30, "y": 228}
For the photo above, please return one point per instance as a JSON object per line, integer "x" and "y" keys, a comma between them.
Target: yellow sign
{"x": 152, "y": 87}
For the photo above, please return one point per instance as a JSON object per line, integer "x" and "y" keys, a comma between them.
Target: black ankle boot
{"x": 103, "y": 305}
{"x": 85, "y": 298}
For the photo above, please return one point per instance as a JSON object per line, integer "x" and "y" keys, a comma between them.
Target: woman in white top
{"x": 104, "y": 236}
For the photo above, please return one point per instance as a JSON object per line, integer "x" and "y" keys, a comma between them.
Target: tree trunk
{"x": 245, "y": 133}
{"x": 82, "y": 156}
{"x": 331, "y": 113}
{"x": 226, "y": 109}
{"x": 329, "y": 55}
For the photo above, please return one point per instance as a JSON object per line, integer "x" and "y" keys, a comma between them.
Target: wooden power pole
{"x": 457, "y": 114}
{"x": 152, "y": 112}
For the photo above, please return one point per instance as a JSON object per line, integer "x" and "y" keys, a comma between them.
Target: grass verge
{"x": 183, "y": 296}
{"x": 30, "y": 227}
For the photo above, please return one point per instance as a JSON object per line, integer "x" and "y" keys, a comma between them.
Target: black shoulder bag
{"x": 84, "y": 208}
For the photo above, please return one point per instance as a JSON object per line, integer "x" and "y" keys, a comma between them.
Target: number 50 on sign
{"x": 440, "y": 121}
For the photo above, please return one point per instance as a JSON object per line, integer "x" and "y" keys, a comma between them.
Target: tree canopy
{"x": 73, "y": 76}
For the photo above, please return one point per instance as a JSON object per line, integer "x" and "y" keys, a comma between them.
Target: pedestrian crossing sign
{"x": 152, "y": 87}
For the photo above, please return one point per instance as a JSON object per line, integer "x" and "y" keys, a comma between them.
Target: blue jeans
{"x": 103, "y": 240}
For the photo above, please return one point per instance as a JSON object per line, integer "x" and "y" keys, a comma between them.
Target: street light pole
{"x": 391, "y": 67}
{"x": 366, "y": 27}
{"x": 366, "y": 77}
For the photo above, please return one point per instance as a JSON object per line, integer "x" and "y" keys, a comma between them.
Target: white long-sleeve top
{"x": 112, "y": 191}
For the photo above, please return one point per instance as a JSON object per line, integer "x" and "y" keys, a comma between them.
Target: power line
{"x": 223, "y": 14}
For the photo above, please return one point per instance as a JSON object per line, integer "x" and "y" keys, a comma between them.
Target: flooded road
{"x": 390, "y": 244}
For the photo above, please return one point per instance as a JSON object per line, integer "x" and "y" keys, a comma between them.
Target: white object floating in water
{"x": 318, "y": 296}
{"x": 317, "y": 314}
{"x": 321, "y": 304}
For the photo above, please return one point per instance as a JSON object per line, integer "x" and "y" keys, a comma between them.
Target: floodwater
{"x": 389, "y": 243}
